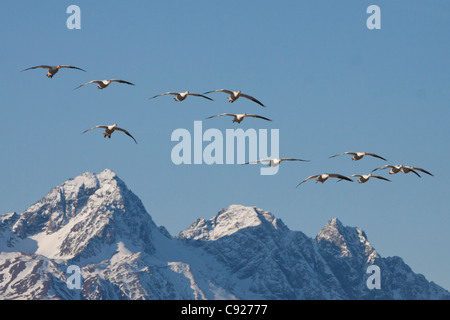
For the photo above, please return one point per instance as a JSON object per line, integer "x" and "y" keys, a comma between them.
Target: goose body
{"x": 359, "y": 155}
{"x": 394, "y": 169}
{"x": 109, "y": 130}
{"x": 234, "y": 95}
{"x": 102, "y": 84}
{"x": 239, "y": 117}
{"x": 363, "y": 178}
{"x": 180, "y": 96}
{"x": 324, "y": 177}
{"x": 52, "y": 70}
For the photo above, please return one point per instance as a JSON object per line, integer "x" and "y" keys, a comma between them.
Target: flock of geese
{"x": 232, "y": 97}
{"x": 179, "y": 96}
{"x": 101, "y": 84}
{"x": 362, "y": 178}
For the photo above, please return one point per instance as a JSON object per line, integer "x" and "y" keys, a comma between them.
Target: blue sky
{"x": 330, "y": 84}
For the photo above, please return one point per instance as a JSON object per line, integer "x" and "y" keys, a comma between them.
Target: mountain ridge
{"x": 94, "y": 222}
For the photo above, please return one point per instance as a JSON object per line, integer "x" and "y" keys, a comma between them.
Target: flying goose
{"x": 234, "y": 95}
{"x": 397, "y": 169}
{"x": 180, "y": 96}
{"x": 102, "y": 84}
{"x": 275, "y": 162}
{"x": 358, "y": 155}
{"x": 324, "y": 177}
{"x": 363, "y": 178}
{"x": 109, "y": 131}
{"x": 52, "y": 70}
{"x": 239, "y": 117}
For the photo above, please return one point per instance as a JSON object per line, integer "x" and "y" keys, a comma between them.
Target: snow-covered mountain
{"x": 95, "y": 225}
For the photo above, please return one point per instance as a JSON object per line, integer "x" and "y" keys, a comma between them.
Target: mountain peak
{"x": 89, "y": 180}
{"x": 83, "y": 216}
{"x": 347, "y": 240}
{"x": 334, "y": 225}
{"x": 107, "y": 175}
{"x": 229, "y": 221}
{"x": 108, "y": 172}
{"x": 333, "y": 232}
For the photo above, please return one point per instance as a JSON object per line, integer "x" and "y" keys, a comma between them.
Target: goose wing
{"x": 222, "y": 114}
{"x": 220, "y": 90}
{"x": 252, "y": 98}
{"x": 163, "y": 94}
{"x": 200, "y": 95}
{"x": 42, "y": 67}
{"x": 382, "y": 178}
{"x": 103, "y": 127}
{"x": 424, "y": 171}
{"x": 409, "y": 169}
{"x": 309, "y": 178}
{"x": 376, "y": 156}
{"x": 122, "y": 81}
{"x": 415, "y": 172}
{"x": 353, "y": 175}
{"x": 127, "y": 133}
{"x": 256, "y": 116}
{"x": 72, "y": 67}
{"x": 257, "y": 161}
{"x": 339, "y": 176}
{"x": 383, "y": 167}
{"x": 93, "y": 81}
{"x": 292, "y": 159}
{"x": 340, "y": 154}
